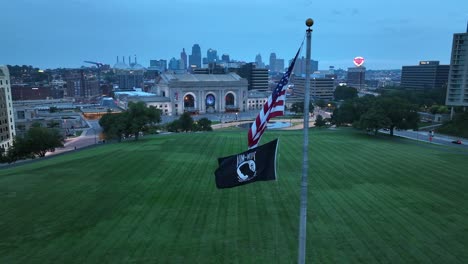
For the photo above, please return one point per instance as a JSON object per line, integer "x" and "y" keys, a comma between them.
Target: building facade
{"x": 204, "y": 93}
{"x": 426, "y": 75}
{"x": 7, "y": 121}
{"x": 457, "y": 88}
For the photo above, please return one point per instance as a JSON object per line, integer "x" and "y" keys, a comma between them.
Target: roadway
{"x": 423, "y": 136}
{"x": 89, "y": 136}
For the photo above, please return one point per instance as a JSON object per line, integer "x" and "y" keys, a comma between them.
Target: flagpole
{"x": 305, "y": 162}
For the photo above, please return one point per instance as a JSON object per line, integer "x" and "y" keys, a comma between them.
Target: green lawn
{"x": 371, "y": 200}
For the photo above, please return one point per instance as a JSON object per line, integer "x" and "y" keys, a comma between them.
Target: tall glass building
{"x": 457, "y": 88}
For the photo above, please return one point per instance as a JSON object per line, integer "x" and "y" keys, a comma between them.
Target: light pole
{"x": 305, "y": 164}
{"x": 95, "y": 139}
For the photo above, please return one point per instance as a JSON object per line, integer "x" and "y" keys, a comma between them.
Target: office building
{"x": 457, "y": 88}
{"x": 257, "y": 78}
{"x": 320, "y": 88}
{"x": 426, "y": 75}
{"x": 300, "y": 66}
{"x": 7, "y": 121}
{"x": 357, "y": 77}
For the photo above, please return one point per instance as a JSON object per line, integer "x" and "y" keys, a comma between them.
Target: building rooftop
{"x": 229, "y": 77}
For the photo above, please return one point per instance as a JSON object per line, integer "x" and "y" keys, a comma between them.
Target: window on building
{"x": 20, "y": 114}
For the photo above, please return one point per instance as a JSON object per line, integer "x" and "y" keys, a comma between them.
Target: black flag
{"x": 257, "y": 164}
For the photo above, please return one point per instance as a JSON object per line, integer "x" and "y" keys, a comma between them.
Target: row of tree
{"x": 35, "y": 143}
{"x": 374, "y": 113}
{"x": 137, "y": 118}
{"x": 185, "y": 123}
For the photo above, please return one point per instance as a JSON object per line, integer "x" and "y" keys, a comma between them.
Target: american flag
{"x": 272, "y": 108}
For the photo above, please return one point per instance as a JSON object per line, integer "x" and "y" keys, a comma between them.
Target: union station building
{"x": 203, "y": 93}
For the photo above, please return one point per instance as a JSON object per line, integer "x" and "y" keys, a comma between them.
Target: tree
{"x": 41, "y": 140}
{"x": 35, "y": 143}
{"x": 299, "y": 107}
{"x": 400, "y": 112}
{"x": 319, "y": 122}
{"x": 114, "y": 125}
{"x": 135, "y": 119}
{"x": 204, "y": 124}
{"x": 186, "y": 122}
{"x": 373, "y": 120}
{"x": 351, "y": 110}
{"x": 344, "y": 93}
{"x": 321, "y": 103}
{"x": 174, "y": 126}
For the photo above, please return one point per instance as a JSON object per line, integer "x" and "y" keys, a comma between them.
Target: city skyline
{"x": 52, "y": 34}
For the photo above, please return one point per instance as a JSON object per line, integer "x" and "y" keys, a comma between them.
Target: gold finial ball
{"x": 309, "y": 22}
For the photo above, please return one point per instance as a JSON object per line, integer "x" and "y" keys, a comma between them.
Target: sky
{"x": 388, "y": 34}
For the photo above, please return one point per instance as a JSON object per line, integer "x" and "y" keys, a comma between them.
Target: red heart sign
{"x": 358, "y": 61}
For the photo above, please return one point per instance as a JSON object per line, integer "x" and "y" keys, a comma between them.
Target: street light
{"x": 95, "y": 139}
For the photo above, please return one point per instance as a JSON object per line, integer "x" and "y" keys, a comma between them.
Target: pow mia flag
{"x": 256, "y": 164}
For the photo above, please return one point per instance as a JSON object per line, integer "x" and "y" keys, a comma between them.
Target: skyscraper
{"x": 211, "y": 55}
{"x": 279, "y": 65}
{"x": 7, "y": 122}
{"x": 195, "y": 58}
{"x": 300, "y": 66}
{"x": 173, "y": 64}
{"x": 272, "y": 65}
{"x": 183, "y": 58}
{"x": 457, "y": 88}
{"x": 225, "y": 58}
{"x": 259, "y": 62}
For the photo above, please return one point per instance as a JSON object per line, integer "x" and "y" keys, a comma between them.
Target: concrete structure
{"x": 426, "y": 75}
{"x": 357, "y": 77}
{"x": 203, "y": 93}
{"x": 457, "y": 88}
{"x": 66, "y": 119}
{"x": 7, "y": 121}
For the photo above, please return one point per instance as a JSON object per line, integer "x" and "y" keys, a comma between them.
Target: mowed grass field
{"x": 371, "y": 200}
